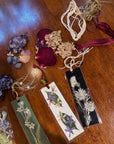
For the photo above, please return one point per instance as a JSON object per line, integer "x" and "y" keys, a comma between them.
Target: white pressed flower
{"x": 21, "y": 104}
{"x": 89, "y": 106}
{"x": 81, "y": 94}
{"x": 20, "y": 109}
{"x": 88, "y": 119}
{"x": 27, "y": 123}
{"x": 26, "y": 111}
{"x": 31, "y": 126}
{"x": 73, "y": 81}
{"x": 9, "y": 133}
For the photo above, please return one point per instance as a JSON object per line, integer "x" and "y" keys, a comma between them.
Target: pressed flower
{"x": 69, "y": 120}
{"x": 25, "y": 56}
{"x": 51, "y": 97}
{"x": 53, "y": 40}
{"x": 4, "y": 139}
{"x": 21, "y": 104}
{"x": 9, "y": 133}
{"x": 26, "y": 111}
{"x": 65, "y": 49}
{"x": 88, "y": 119}
{"x": 73, "y": 81}
{"x": 89, "y": 106}
{"x": 69, "y": 130}
{"x": 31, "y": 126}
{"x": 81, "y": 94}
{"x": 27, "y": 123}
{"x": 20, "y": 109}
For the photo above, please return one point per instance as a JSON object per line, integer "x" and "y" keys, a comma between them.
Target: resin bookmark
{"x": 62, "y": 112}
{"x": 6, "y": 132}
{"x": 85, "y": 106}
{"x": 29, "y": 122}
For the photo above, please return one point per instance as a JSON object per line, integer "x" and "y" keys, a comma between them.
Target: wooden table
{"x": 29, "y": 16}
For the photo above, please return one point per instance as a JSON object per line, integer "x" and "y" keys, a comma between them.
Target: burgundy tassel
{"x": 98, "y": 42}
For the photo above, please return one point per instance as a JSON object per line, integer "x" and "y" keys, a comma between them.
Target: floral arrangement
{"x": 26, "y": 114}
{"x": 50, "y": 43}
{"x": 54, "y": 41}
{"x": 83, "y": 99}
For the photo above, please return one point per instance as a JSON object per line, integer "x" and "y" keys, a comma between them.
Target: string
{"x": 74, "y": 10}
{"x": 73, "y": 59}
{"x": 98, "y": 42}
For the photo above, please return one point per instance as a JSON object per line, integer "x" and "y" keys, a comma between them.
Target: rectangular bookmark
{"x": 85, "y": 106}
{"x": 29, "y": 122}
{"x": 61, "y": 111}
{"x": 6, "y": 131}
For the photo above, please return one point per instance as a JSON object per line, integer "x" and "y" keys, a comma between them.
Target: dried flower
{"x": 53, "y": 40}
{"x": 25, "y": 56}
{"x": 27, "y": 123}
{"x": 52, "y": 97}
{"x": 20, "y": 109}
{"x": 68, "y": 129}
{"x": 81, "y": 94}
{"x": 65, "y": 49}
{"x": 73, "y": 81}
{"x": 21, "y": 104}
{"x": 9, "y": 133}
{"x": 26, "y": 111}
{"x": 88, "y": 119}
{"x": 31, "y": 126}
{"x": 89, "y": 106}
{"x": 69, "y": 120}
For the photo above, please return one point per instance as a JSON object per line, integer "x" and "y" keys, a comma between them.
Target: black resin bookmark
{"x": 85, "y": 106}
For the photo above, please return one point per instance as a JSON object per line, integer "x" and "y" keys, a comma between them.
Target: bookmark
{"x": 61, "y": 111}
{"x": 6, "y": 132}
{"x": 29, "y": 122}
{"x": 85, "y": 106}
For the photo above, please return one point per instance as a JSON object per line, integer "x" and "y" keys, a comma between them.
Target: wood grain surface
{"x": 29, "y": 16}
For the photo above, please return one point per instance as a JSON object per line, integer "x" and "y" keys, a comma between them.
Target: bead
{"x": 21, "y": 83}
{"x": 28, "y": 87}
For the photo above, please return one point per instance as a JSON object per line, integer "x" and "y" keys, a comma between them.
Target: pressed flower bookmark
{"x": 62, "y": 112}
{"x": 85, "y": 106}
{"x": 6, "y": 132}
{"x": 29, "y": 122}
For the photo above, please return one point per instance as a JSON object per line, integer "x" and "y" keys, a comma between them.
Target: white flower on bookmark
{"x": 21, "y": 104}
{"x": 27, "y": 123}
{"x": 73, "y": 81}
{"x": 9, "y": 133}
{"x": 26, "y": 114}
{"x": 31, "y": 126}
{"x": 3, "y": 116}
{"x": 20, "y": 109}
{"x": 89, "y": 106}
{"x": 26, "y": 110}
{"x": 81, "y": 94}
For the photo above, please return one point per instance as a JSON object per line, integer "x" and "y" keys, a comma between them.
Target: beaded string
{"x": 73, "y": 61}
{"x": 23, "y": 85}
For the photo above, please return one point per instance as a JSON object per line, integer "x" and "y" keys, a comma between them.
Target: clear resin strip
{"x": 81, "y": 95}
{"x": 6, "y": 131}
{"x": 29, "y": 122}
{"x": 62, "y": 112}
